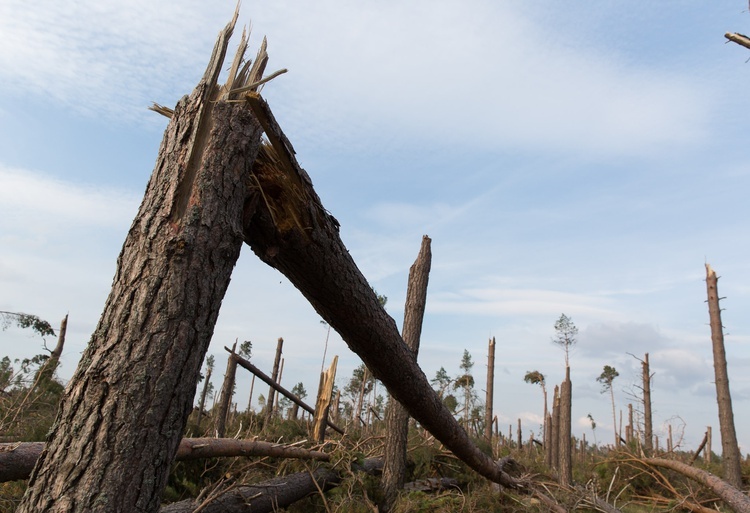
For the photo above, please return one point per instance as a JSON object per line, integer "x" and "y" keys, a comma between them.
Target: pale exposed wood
{"x": 275, "y": 379}
{"x": 323, "y": 403}
{"x": 490, "y": 390}
{"x": 740, "y": 39}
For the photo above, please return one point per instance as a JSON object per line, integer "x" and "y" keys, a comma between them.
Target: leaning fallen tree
{"x": 18, "y": 459}
{"x": 288, "y": 228}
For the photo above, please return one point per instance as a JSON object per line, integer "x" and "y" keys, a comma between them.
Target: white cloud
{"x": 479, "y": 74}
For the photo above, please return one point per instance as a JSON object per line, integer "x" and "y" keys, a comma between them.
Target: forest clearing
{"x": 125, "y": 434}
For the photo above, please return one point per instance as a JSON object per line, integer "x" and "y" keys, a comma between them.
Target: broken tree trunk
{"x": 490, "y": 392}
{"x": 227, "y": 391}
{"x": 648, "y": 427}
{"x": 286, "y": 393}
{"x": 397, "y": 418}
{"x": 323, "y": 402}
{"x": 291, "y": 231}
{"x": 17, "y": 460}
{"x": 124, "y": 411}
{"x": 730, "y": 451}
{"x": 275, "y": 378}
{"x": 202, "y": 404}
{"x": 565, "y": 470}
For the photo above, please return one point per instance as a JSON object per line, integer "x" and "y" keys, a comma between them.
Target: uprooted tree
{"x": 214, "y": 186}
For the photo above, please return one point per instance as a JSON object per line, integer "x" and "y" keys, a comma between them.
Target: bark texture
{"x": 397, "y": 418}
{"x": 292, "y": 232}
{"x": 731, "y": 458}
{"x": 125, "y": 409}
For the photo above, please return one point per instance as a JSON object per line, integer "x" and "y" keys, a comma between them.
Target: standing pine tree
{"x": 466, "y": 382}
{"x": 606, "y": 378}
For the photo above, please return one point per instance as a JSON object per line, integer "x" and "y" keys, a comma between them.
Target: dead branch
{"x": 18, "y": 459}
{"x": 740, "y": 39}
{"x": 734, "y": 498}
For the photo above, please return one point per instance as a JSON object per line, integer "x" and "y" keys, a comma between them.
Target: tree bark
{"x": 732, "y": 496}
{"x": 397, "y": 418}
{"x": 566, "y": 461}
{"x": 292, "y": 232}
{"x": 17, "y": 460}
{"x": 125, "y": 409}
{"x": 731, "y": 458}
{"x": 555, "y": 439}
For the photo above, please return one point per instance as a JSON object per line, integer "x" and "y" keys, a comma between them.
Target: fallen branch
{"x": 271, "y": 495}
{"x": 734, "y": 498}
{"x": 18, "y": 459}
{"x": 740, "y": 39}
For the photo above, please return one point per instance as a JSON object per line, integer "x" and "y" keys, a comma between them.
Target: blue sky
{"x": 577, "y": 158}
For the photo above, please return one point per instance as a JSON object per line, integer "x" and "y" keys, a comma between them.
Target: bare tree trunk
{"x": 275, "y": 378}
{"x": 730, "y": 451}
{"x": 555, "y": 440}
{"x": 614, "y": 416}
{"x": 124, "y": 411}
{"x": 648, "y": 428}
{"x": 278, "y": 381}
{"x": 294, "y": 233}
{"x": 397, "y": 418}
{"x": 566, "y": 462}
{"x": 361, "y": 398}
{"x": 202, "y": 406}
{"x": 629, "y": 426}
{"x": 250, "y": 398}
{"x": 227, "y": 391}
{"x": 708, "y": 444}
{"x": 490, "y": 391}
{"x": 519, "y": 436}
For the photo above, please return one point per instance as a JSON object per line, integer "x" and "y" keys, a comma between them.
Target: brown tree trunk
{"x": 202, "y": 406}
{"x": 648, "y": 428}
{"x": 566, "y": 461}
{"x": 397, "y": 418}
{"x": 555, "y": 439}
{"x": 490, "y": 391}
{"x": 124, "y": 411}
{"x": 730, "y": 451}
{"x": 227, "y": 391}
{"x": 275, "y": 378}
{"x": 292, "y": 232}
